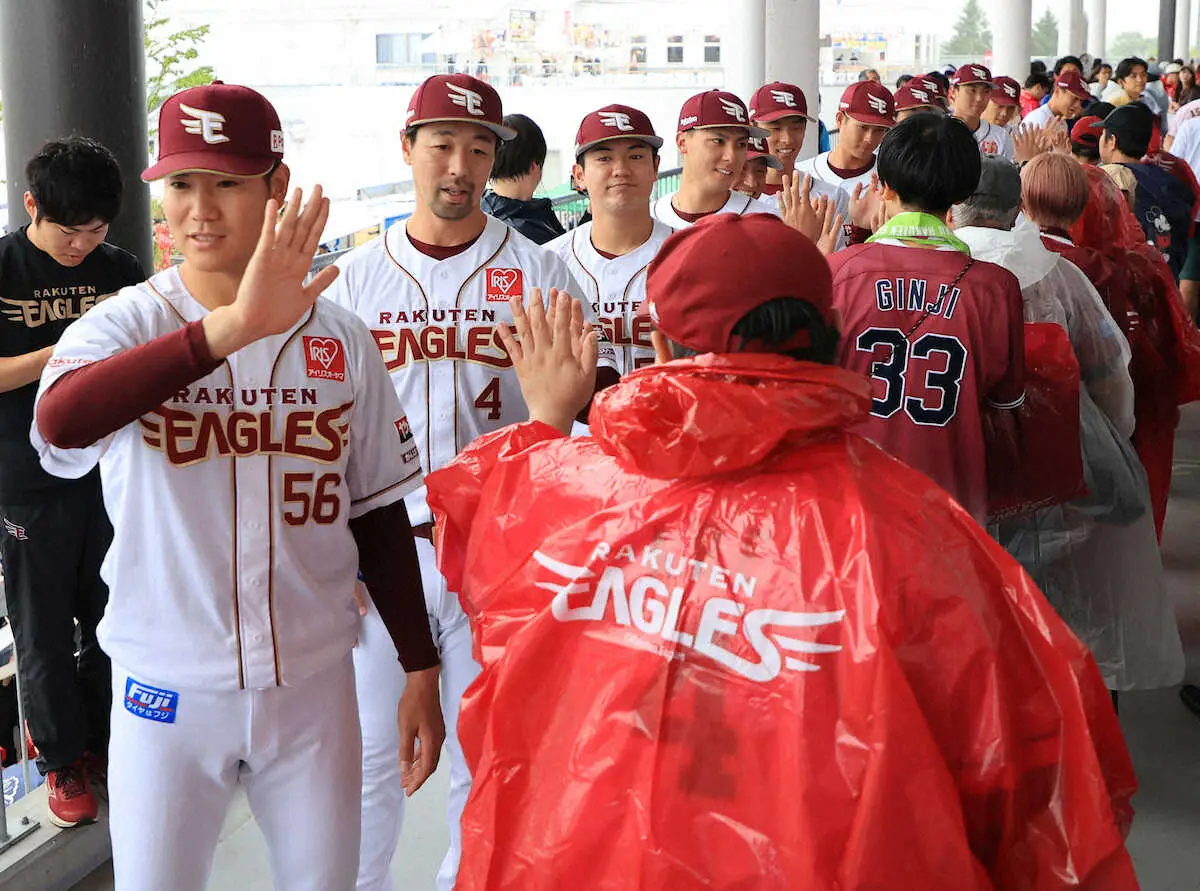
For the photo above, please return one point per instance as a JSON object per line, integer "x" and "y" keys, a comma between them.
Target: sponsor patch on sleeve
{"x": 504, "y": 282}
{"x": 324, "y": 358}
{"x": 151, "y": 703}
{"x": 403, "y": 429}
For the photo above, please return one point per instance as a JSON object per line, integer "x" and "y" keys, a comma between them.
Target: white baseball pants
{"x": 295, "y": 750}
{"x": 380, "y": 684}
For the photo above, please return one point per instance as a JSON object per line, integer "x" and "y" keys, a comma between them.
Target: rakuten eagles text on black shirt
{"x": 39, "y": 298}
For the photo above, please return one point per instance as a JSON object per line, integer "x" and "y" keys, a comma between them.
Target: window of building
{"x": 675, "y": 50}
{"x": 712, "y": 49}
{"x": 399, "y": 49}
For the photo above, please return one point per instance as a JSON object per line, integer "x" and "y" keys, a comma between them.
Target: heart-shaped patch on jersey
{"x": 324, "y": 358}
{"x": 504, "y": 282}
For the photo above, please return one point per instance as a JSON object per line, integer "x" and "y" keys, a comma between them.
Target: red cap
{"x": 1006, "y": 91}
{"x": 218, "y": 128}
{"x": 716, "y": 108}
{"x": 933, "y": 87}
{"x": 615, "y": 122}
{"x": 971, "y": 74}
{"x": 779, "y": 100}
{"x": 697, "y": 289}
{"x": 1085, "y": 133}
{"x": 758, "y": 149}
{"x": 914, "y": 95}
{"x": 1070, "y": 81}
{"x": 869, "y": 102}
{"x": 460, "y": 98}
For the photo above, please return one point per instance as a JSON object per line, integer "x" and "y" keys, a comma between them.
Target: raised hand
{"x": 831, "y": 228}
{"x": 1028, "y": 143}
{"x": 272, "y": 295}
{"x": 798, "y": 209}
{"x": 866, "y": 204}
{"x": 554, "y": 355}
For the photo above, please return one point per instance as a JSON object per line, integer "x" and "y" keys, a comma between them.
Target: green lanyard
{"x": 920, "y": 228}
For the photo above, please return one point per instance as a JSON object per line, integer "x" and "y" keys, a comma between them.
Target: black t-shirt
{"x": 39, "y": 298}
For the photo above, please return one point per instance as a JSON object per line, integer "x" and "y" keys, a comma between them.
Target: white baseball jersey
{"x": 232, "y": 564}
{"x": 818, "y": 168}
{"x": 663, "y": 211}
{"x": 994, "y": 140}
{"x": 839, "y": 196}
{"x": 616, "y": 289}
{"x": 435, "y": 321}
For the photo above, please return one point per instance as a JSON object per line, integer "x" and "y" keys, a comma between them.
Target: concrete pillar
{"x": 1166, "y": 29}
{"x": 1097, "y": 28}
{"x": 77, "y": 68}
{"x": 793, "y": 30}
{"x": 1183, "y": 16}
{"x": 1078, "y": 28}
{"x": 745, "y": 71}
{"x": 1068, "y": 27}
{"x": 1012, "y": 25}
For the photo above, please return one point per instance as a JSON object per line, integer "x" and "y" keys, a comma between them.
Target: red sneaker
{"x": 69, "y": 796}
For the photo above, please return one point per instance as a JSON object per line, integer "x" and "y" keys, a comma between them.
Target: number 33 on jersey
{"x": 435, "y": 322}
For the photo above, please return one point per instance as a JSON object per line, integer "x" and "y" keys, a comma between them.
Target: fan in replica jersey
{"x": 782, "y": 110}
{"x": 254, "y": 460}
{"x": 866, "y": 112}
{"x": 938, "y": 333}
{"x": 713, "y": 138}
{"x": 970, "y": 91}
{"x": 616, "y": 162}
{"x": 433, "y": 290}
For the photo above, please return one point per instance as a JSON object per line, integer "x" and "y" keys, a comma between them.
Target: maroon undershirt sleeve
{"x": 387, "y": 559}
{"x": 86, "y": 404}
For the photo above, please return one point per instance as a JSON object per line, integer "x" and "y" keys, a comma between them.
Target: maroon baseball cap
{"x": 779, "y": 100}
{"x": 869, "y": 102}
{"x": 1070, "y": 81}
{"x": 716, "y": 108}
{"x": 758, "y": 149}
{"x": 697, "y": 289}
{"x": 1006, "y": 91}
{"x": 914, "y": 95}
{"x": 971, "y": 74}
{"x": 217, "y": 128}
{"x": 1086, "y": 132}
{"x": 459, "y": 98}
{"x": 615, "y": 122}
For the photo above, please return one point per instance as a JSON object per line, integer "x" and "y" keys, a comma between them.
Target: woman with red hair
{"x": 1082, "y": 216}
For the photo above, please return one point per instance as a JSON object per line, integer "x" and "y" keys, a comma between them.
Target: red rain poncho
{"x": 1139, "y": 290}
{"x": 726, "y": 644}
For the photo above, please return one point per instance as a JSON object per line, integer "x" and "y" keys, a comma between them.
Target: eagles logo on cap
{"x": 757, "y": 148}
{"x": 716, "y": 108}
{"x": 777, "y": 100}
{"x": 615, "y": 122}
{"x": 971, "y": 74}
{"x": 217, "y": 128}
{"x": 869, "y": 102}
{"x": 1006, "y": 91}
{"x": 458, "y": 98}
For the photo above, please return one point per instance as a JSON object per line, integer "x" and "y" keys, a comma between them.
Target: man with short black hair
{"x": 866, "y": 112}
{"x": 939, "y": 334}
{"x": 1128, "y": 83}
{"x": 1162, "y": 203}
{"x": 970, "y": 92}
{"x": 516, "y": 175}
{"x": 1068, "y": 63}
{"x": 56, "y": 531}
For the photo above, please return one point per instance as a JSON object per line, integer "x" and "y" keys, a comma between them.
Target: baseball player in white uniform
{"x": 712, "y": 138}
{"x": 866, "y": 111}
{"x": 616, "y": 163}
{"x": 253, "y": 457}
{"x": 782, "y": 110}
{"x": 432, "y": 289}
{"x": 970, "y": 92}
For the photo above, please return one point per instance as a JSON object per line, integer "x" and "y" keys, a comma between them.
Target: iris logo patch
{"x": 151, "y": 703}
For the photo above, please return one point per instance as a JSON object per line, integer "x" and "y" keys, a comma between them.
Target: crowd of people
{"x": 799, "y": 528}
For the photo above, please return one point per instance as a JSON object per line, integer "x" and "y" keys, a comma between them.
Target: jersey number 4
{"x": 489, "y": 399}
{"x": 945, "y": 361}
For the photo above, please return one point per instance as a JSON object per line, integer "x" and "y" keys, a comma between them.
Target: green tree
{"x": 1131, "y": 43}
{"x": 1045, "y": 35}
{"x": 972, "y": 36}
{"x": 170, "y": 57}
